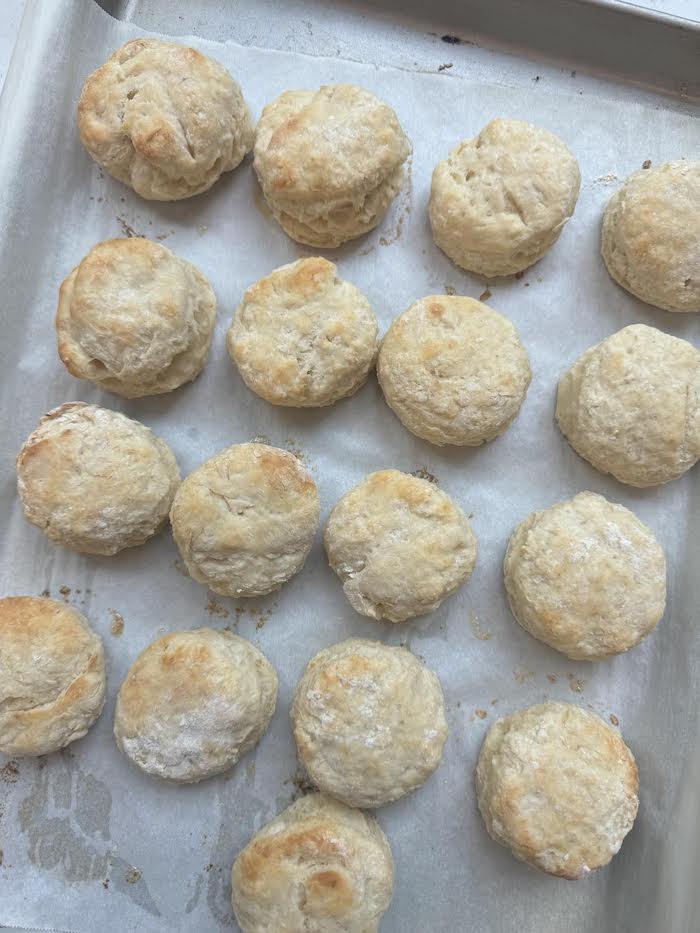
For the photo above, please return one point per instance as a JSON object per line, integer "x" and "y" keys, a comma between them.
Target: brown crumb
{"x": 117, "y": 623}
{"x": 64, "y": 591}
{"x": 301, "y": 783}
{"x": 105, "y": 884}
{"x": 422, "y": 473}
{"x": 523, "y": 676}
{"x": 519, "y": 275}
{"x": 481, "y": 713}
{"x": 260, "y": 439}
{"x": 161, "y": 236}
{"x": 450, "y": 290}
{"x": 202, "y": 229}
{"x": 478, "y": 632}
{"x": 45, "y": 593}
{"x": 209, "y": 867}
{"x": 485, "y": 295}
{"x": 614, "y": 720}
{"x": 291, "y": 445}
{"x": 2, "y": 857}
{"x": 575, "y": 683}
{"x": 133, "y": 875}
{"x": 552, "y": 678}
{"x": 127, "y": 229}
{"x": 215, "y": 608}
{"x": 445, "y": 66}
{"x": 493, "y": 702}
{"x": 646, "y": 163}
{"x": 10, "y": 773}
{"x": 536, "y": 78}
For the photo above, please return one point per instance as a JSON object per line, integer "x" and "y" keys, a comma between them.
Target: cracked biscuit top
{"x": 245, "y": 520}
{"x": 164, "y": 119}
{"x": 499, "y": 201}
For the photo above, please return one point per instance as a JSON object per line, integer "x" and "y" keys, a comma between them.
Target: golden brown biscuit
{"x": 135, "y": 319}
{"x": 651, "y": 236}
{"x": 399, "y": 545}
{"x": 453, "y": 370}
{"x": 193, "y": 703}
{"x": 369, "y": 722}
{"x": 586, "y": 577}
{"x": 164, "y": 119}
{"x": 631, "y": 406}
{"x": 329, "y": 162}
{"x": 245, "y": 520}
{"x": 500, "y": 201}
{"x": 558, "y": 787}
{"x": 302, "y": 336}
{"x": 94, "y": 480}
{"x": 318, "y": 867}
{"x": 52, "y": 675}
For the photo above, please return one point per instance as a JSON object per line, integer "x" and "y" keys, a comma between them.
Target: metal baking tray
{"x": 64, "y": 819}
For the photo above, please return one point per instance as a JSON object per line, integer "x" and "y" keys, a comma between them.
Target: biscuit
{"x": 369, "y": 722}
{"x": 52, "y": 676}
{"x": 135, "y": 319}
{"x": 302, "y": 336}
{"x": 329, "y": 162}
{"x": 558, "y": 787}
{"x": 500, "y": 201}
{"x": 586, "y": 577}
{"x": 94, "y": 480}
{"x": 399, "y": 545}
{"x": 453, "y": 370}
{"x": 631, "y": 406}
{"x": 318, "y": 867}
{"x": 245, "y": 520}
{"x": 164, "y": 119}
{"x": 651, "y": 236}
{"x": 193, "y": 703}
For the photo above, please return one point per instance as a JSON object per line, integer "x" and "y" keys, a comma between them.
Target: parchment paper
{"x": 89, "y": 843}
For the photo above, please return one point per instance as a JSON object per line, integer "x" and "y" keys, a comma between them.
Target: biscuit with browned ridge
{"x": 318, "y": 867}
{"x": 164, "y": 119}
{"x": 52, "y": 675}
{"x": 557, "y": 786}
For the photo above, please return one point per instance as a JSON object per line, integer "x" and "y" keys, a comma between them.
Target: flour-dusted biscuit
{"x": 245, "y": 520}
{"x": 318, "y": 867}
{"x": 329, "y": 162}
{"x": 399, "y": 545}
{"x": 586, "y": 577}
{"x": 499, "y": 201}
{"x": 52, "y": 675}
{"x": 94, "y": 480}
{"x": 558, "y": 787}
{"x": 164, "y": 119}
{"x": 453, "y": 370}
{"x": 651, "y": 236}
{"x": 134, "y": 318}
{"x": 631, "y": 406}
{"x": 302, "y": 336}
{"x": 369, "y": 722}
{"x": 193, "y": 703}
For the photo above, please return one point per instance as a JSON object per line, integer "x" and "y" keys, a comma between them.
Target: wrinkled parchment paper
{"x": 88, "y": 842}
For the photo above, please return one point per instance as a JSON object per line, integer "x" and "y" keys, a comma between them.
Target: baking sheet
{"x": 89, "y": 842}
